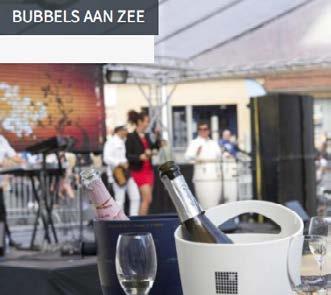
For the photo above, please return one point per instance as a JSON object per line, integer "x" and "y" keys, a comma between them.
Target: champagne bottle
{"x": 105, "y": 205}
{"x": 197, "y": 224}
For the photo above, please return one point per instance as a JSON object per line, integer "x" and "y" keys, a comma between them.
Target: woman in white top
{"x": 114, "y": 155}
{"x": 207, "y": 178}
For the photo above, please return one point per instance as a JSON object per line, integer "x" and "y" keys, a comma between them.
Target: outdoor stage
{"x": 23, "y": 273}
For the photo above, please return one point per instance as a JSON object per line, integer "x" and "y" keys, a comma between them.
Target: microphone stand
{"x": 74, "y": 248}
{"x": 222, "y": 176}
{"x": 80, "y": 200}
{"x": 237, "y": 160}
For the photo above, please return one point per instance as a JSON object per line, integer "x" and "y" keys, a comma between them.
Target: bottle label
{"x": 106, "y": 207}
{"x": 186, "y": 204}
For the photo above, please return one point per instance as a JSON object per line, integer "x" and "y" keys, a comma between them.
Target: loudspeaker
{"x": 283, "y": 149}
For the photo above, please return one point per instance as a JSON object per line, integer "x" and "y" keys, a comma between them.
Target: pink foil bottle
{"x": 106, "y": 207}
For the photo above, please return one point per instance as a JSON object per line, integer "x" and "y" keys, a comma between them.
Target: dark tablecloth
{"x": 42, "y": 276}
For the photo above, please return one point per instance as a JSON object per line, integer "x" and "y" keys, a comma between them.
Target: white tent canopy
{"x": 224, "y": 38}
{"x": 205, "y": 39}
{"x": 190, "y": 28}
{"x": 299, "y": 36}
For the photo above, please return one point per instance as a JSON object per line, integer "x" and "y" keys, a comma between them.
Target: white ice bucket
{"x": 256, "y": 264}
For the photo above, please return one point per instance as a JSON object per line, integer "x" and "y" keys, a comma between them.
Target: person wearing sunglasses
{"x": 205, "y": 154}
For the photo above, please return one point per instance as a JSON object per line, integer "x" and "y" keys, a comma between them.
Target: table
{"x": 49, "y": 274}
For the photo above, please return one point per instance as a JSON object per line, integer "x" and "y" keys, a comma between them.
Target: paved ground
{"x": 22, "y": 234}
{"x": 67, "y": 225}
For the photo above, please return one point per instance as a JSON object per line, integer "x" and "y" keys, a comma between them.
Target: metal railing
{"x": 21, "y": 206}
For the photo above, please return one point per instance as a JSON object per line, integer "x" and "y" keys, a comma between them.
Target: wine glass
{"x": 322, "y": 226}
{"x": 305, "y": 264}
{"x": 136, "y": 262}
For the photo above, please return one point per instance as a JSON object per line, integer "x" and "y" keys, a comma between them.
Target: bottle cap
{"x": 88, "y": 176}
{"x": 170, "y": 169}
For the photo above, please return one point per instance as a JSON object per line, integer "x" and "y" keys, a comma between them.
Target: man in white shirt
{"x": 114, "y": 156}
{"x": 205, "y": 153}
{"x": 8, "y": 157}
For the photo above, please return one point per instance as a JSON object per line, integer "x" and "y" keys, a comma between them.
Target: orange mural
{"x": 38, "y": 101}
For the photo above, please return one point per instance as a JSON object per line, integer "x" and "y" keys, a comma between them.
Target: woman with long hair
{"x": 139, "y": 147}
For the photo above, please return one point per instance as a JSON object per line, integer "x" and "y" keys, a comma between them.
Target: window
{"x": 179, "y": 127}
{"x": 219, "y": 117}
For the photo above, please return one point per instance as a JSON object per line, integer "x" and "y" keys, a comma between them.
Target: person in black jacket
{"x": 139, "y": 150}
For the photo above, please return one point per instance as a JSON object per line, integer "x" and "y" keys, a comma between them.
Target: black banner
{"x": 78, "y": 17}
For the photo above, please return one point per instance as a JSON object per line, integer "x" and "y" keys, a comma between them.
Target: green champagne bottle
{"x": 197, "y": 224}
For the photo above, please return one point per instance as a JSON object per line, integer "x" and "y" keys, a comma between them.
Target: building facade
{"x": 221, "y": 103}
